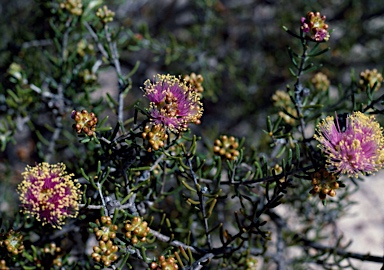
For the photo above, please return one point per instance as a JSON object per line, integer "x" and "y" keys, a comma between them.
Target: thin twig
{"x": 197, "y": 264}
{"x": 60, "y": 95}
{"x": 269, "y": 178}
{"x": 116, "y": 64}
{"x": 102, "y": 198}
{"x": 328, "y": 249}
{"x": 173, "y": 243}
{"x": 157, "y": 162}
{"x": 41, "y": 92}
{"x": 343, "y": 253}
{"x": 280, "y": 242}
{"x": 96, "y": 39}
{"x": 298, "y": 92}
{"x": 202, "y": 203}
{"x": 36, "y": 43}
{"x": 372, "y": 104}
{"x": 91, "y": 206}
{"x": 54, "y": 138}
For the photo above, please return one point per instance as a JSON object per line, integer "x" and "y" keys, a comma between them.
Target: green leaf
{"x": 133, "y": 71}
{"x": 289, "y": 156}
{"x": 311, "y": 68}
{"x": 313, "y": 106}
{"x": 281, "y": 152}
{"x": 292, "y": 72}
{"x": 269, "y": 124}
{"x": 111, "y": 101}
{"x": 41, "y": 138}
{"x": 259, "y": 171}
{"x": 318, "y": 53}
{"x": 85, "y": 140}
{"x": 290, "y": 32}
{"x": 297, "y": 151}
{"x": 101, "y": 129}
{"x": 13, "y": 95}
{"x": 324, "y": 202}
{"x": 293, "y": 57}
{"x": 277, "y": 124}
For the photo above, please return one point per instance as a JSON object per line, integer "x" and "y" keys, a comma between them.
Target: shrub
{"x": 132, "y": 178}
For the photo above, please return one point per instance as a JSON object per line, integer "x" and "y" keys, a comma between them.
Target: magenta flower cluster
{"x": 49, "y": 194}
{"x": 173, "y": 103}
{"x": 353, "y": 148}
{"x": 314, "y": 24}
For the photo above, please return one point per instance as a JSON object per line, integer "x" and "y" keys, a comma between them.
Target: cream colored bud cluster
{"x": 195, "y": 81}
{"x": 226, "y": 147}
{"x": 13, "y": 242}
{"x": 85, "y": 122}
{"x": 136, "y": 230}
{"x": 105, "y": 14}
{"x": 105, "y": 252}
{"x": 106, "y": 229}
{"x": 156, "y": 137}
{"x": 84, "y": 48}
{"x": 55, "y": 251}
{"x": 165, "y": 264}
{"x": 370, "y": 77}
{"x": 51, "y": 249}
{"x": 73, "y": 6}
{"x": 320, "y": 82}
{"x": 88, "y": 76}
{"x": 281, "y": 99}
{"x": 324, "y": 183}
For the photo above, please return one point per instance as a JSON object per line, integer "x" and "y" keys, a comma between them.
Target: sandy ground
{"x": 365, "y": 224}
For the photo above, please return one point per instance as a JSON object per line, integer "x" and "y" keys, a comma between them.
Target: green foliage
{"x": 178, "y": 202}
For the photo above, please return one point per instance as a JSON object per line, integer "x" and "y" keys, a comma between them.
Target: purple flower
{"x": 315, "y": 25}
{"x": 356, "y": 148}
{"x": 173, "y": 103}
{"x": 49, "y": 193}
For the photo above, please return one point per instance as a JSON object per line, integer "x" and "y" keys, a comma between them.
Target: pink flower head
{"x": 356, "y": 147}
{"x": 49, "y": 193}
{"x": 173, "y": 103}
{"x": 315, "y": 25}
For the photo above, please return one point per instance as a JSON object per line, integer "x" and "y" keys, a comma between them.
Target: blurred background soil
{"x": 241, "y": 50}
{"x": 364, "y": 223}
